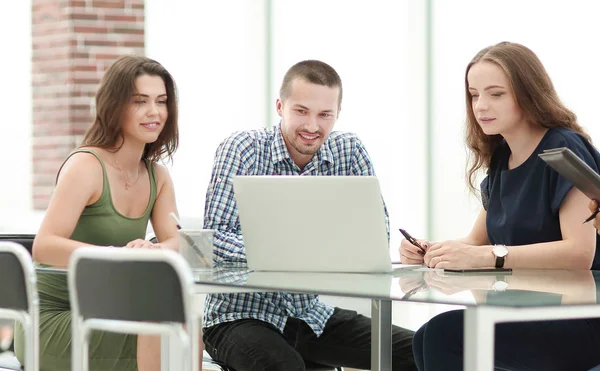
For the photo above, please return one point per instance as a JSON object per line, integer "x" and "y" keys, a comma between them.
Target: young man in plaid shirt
{"x": 279, "y": 330}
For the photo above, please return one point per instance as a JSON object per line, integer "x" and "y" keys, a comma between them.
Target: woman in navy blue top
{"x": 531, "y": 217}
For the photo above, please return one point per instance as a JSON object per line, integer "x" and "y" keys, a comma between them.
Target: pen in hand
{"x": 413, "y": 241}
{"x": 190, "y": 241}
{"x": 591, "y": 217}
{"x": 593, "y": 206}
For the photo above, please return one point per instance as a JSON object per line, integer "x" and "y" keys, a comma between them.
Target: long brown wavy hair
{"x": 113, "y": 95}
{"x": 533, "y": 92}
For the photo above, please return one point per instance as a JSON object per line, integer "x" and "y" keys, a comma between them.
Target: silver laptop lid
{"x": 313, "y": 223}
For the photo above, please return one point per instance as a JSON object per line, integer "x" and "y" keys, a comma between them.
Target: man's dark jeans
{"x": 253, "y": 345}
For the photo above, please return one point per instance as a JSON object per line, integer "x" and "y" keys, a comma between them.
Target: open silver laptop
{"x": 313, "y": 223}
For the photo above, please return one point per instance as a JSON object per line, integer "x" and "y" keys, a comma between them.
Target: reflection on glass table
{"x": 521, "y": 287}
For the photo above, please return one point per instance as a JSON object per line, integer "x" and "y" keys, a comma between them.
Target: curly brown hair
{"x": 115, "y": 91}
{"x": 533, "y": 92}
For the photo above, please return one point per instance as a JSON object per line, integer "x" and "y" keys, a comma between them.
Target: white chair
{"x": 132, "y": 291}
{"x": 18, "y": 296}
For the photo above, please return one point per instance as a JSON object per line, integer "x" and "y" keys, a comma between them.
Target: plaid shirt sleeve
{"x": 220, "y": 210}
{"x": 362, "y": 165}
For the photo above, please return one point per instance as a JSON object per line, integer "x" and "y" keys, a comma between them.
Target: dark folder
{"x": 567, "y": 164}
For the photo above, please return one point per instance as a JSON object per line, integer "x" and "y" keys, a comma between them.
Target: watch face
{"x": 500, "y": 250}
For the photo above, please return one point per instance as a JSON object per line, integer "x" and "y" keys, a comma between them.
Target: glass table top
{"x": 519, "y": 288}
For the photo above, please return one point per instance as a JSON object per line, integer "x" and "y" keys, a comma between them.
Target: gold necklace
{"x": 128, "y": 184}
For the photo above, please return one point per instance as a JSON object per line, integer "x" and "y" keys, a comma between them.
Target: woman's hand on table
{"x": 411, "y": 254}
{"x": 142, "y": 244}
{"x": 455, "y": 254}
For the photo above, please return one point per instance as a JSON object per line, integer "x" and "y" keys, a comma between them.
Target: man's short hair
{"x": 313, "y": 71}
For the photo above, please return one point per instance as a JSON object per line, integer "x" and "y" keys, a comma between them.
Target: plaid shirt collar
{"x": 279, "y": 150}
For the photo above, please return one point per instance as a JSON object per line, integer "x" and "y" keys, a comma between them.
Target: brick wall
{"x": 73, "y": 44}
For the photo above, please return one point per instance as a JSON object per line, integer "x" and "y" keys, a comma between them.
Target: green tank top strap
{"x": 153, "y": 190}
{"x": 105, "y": 186}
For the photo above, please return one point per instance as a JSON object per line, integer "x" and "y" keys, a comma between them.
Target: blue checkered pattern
{"x": 263, "y": 152}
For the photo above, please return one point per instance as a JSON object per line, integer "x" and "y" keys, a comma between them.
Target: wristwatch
{"x": 500, "y": 252}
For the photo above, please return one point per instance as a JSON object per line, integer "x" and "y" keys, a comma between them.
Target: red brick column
{"x": 73, "y": 44}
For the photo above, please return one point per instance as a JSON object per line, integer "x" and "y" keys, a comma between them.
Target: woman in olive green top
{"x": 106, "y": 191}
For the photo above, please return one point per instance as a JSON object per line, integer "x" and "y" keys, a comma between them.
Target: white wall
{"x": 15, "y": 125}
{"x": 215, "y": 52}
